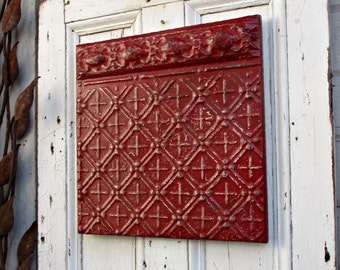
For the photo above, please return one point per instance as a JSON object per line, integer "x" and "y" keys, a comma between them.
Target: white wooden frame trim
{"x": 105, "y": 23}
{"x": 311, "y": 135}
{"x": 295, "y": 69}
{"x": 51, "y": 148}
{"x": 281, "y": 151}
{"x": 90, "y": 9}
{"x": 224, "y": 5}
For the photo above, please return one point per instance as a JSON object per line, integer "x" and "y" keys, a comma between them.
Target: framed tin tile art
{"x": 171, "y": 134}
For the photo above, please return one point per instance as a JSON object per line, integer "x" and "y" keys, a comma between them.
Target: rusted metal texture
{"x": 170, "y": 138}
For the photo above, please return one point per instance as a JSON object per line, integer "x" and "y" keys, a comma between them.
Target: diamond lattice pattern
{"x": 174, "y": 153}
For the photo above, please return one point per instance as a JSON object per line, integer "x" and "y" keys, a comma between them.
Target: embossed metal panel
{"x": 170, "y": 134}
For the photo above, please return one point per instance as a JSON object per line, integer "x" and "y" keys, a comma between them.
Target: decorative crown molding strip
{"x": 222, "y": 41}
{"x": 102, "y": 24}
{"x": 222, "y": 5}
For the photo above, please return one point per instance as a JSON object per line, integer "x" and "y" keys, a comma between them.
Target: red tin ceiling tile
{"x": 170, "y": 133}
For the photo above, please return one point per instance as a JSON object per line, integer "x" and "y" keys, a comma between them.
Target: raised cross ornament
{"x": 171, "y": 134}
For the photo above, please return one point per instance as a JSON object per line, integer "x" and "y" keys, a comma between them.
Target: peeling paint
{"x": 41, "y": 1}
{"x": 327, "y": 255}
{"x": 69, "y": 248}
{"x": 307, "y": 97}
{"x": 52, "y": 148}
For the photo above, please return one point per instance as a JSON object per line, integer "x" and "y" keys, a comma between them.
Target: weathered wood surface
{"x": 335, "y": 59}
{"x": 298, "y": 130}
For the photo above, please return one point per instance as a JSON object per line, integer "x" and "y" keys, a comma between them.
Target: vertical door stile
{"x": 281, "y": 153}
{"x": 73, "y": 241}
{"x": 192, "y": 17}
{"x": 162, "y": 17}
{"x": 51, "y": 131}
{"x": 196, "y": 254}
{"x": 140, "y": 260}
{"x": 311, "y": 137}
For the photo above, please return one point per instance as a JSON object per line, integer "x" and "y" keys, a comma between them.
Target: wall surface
{"x": 335, "y": 55}
{"x": 25, "y": 196}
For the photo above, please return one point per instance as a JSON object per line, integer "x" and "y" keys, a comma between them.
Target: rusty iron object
{"x": 171, "y": 134}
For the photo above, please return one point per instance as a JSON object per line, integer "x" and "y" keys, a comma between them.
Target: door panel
{"x": 162, "y": 17}
{"x": 156, "y": 253}
{"x": 99, "y": 252}
{"x": 60, "y": 247}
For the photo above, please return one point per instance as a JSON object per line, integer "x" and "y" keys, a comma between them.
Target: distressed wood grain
{"x": 298, "y": 128}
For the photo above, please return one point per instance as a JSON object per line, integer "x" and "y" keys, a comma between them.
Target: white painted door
{"x": 298, "y": 135}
